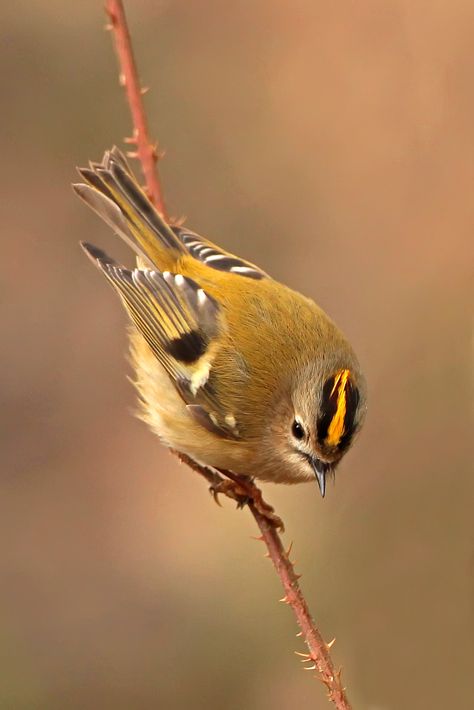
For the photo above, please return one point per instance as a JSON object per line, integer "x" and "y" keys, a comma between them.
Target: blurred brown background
{"x": 332, "y": 142}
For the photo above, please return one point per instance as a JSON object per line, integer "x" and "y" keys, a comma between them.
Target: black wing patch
{"x": 175, "y": 316}
{"x": 188, "y": 347}
{"x": 213, "y": 256}
{"x": 180, "y": 322}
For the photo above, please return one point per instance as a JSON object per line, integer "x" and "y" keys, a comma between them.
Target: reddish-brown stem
{"x": 241, "y": 489}
{"x": 318, "y": 657}
{"x": 146, "y": 151}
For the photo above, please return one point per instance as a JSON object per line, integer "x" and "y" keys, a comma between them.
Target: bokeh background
{"x": 332, "y": 142}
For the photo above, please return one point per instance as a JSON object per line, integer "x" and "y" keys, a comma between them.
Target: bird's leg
{"x": 249, "y": 494}
{"x": 230, "y": 487}
{"x": 240, "y": 488}
{"x": 218, "y": 484}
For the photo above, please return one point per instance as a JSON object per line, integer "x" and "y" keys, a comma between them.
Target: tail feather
{"x": 113, "y": 193}
{"x": 112, "y": 215}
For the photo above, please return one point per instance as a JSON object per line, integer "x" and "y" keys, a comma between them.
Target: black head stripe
{"x": 328, "y": 408}
{"x": 188, "y": 348}
{"x": 352, "y": 402}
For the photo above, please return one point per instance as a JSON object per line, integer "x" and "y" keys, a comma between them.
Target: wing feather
{"x": 215, "y": 257}
{"x": 181, "y": 324}
{"x": 112, "y": 191}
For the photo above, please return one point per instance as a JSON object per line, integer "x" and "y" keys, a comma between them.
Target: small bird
{"x": 233, "y": 369}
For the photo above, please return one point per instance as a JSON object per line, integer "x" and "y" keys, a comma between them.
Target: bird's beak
{"x": 320, "y": 469}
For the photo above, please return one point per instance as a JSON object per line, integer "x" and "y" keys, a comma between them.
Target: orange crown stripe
{"x": 336, "y": 427}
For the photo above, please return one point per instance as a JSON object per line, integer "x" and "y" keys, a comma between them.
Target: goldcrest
{"x": 233, "y": 369}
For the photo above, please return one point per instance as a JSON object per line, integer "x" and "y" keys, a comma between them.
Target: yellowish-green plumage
{"x": 233, "y": 369}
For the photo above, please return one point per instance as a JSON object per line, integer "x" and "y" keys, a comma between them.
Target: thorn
{"x": 157, "y": 154}
{"x": 122, "y": 79}
{"x": 267, "y": 555}
{"x": 304, "y": 655}
{"x": 108, "y": 27}
{"x": 132, "y": 154}
{"x": 290, "y": 547}
{"x": 144, "y": 90}
{"x": 131, "y": 139}
{"x": 310, "y": 668}
{"x": 259, "y": 539}
{"x": 284, "y": 599}
{"x": 300, "y": 633}
{"x": 331, "y": 643}
{"x": 326, "y": 683}
{"x": 298, "y": 576}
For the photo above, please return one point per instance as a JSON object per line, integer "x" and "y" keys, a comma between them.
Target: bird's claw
{"x": 245, "y": 492}
{"x": 230, "y": 489}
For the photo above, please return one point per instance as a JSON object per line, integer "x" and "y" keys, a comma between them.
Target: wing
{"x": 181, "y": 324}
{"x": 111, "y": 190}
{"x": 215, "y": 257}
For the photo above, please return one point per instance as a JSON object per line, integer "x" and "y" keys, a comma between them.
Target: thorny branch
{"x": 146, "y": 151}
{"x": 239, "y": 488}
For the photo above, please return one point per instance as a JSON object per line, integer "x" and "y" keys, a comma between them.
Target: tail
{"x": 112, "y": 191}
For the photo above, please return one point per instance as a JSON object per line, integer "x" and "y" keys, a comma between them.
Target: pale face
{"x": 313, "y": 428}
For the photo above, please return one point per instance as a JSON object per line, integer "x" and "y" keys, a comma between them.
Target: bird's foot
{"x": 229, "y": 488}
{"x": 242, "y": 489}
{"x": 245, "y": 492}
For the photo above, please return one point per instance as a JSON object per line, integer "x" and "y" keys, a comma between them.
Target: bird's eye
{"x": 297, "y": 430}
